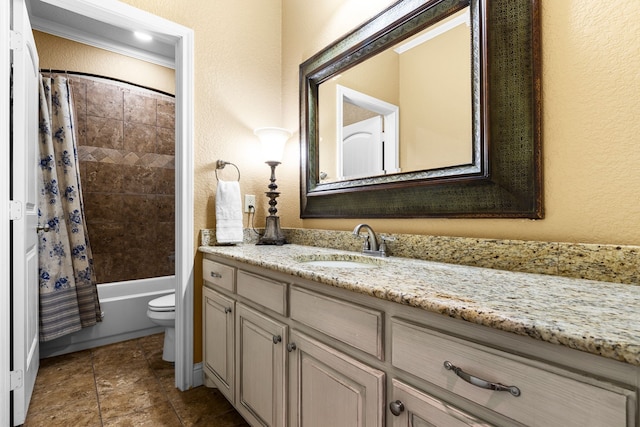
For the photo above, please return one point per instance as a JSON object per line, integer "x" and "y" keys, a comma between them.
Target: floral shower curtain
{"x": 68, "y": 291}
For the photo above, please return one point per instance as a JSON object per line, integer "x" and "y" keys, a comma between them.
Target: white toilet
{"x": 162, "y": 311}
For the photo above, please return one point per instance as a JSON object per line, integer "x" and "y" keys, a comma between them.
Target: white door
{"x": 362, "y": 148}
{"x": 24, "y": 238}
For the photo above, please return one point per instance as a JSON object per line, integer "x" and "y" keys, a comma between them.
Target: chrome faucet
{"x": 370, "y": 240}
{"x": 370, "y": 245}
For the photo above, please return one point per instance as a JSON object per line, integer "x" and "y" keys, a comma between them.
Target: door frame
{"x": 129, "y": 18}
{"x": 391, "y": 123}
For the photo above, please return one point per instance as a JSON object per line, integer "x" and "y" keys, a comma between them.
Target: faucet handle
{"x": 387, "y": 238}
{"x": 383, "y": 244}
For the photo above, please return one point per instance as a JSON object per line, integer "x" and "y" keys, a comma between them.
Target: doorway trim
{"x": 129, "y": 18}
{"x": 391, "y": 125}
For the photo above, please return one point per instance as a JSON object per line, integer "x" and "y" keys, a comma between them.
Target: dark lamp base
{"x": 272, "y": 233}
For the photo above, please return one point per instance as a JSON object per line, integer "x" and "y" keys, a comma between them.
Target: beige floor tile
{"x": 123, "y": 384}
{"x": 120, "y": 354}
{"x": 135, "y": 397}
{"x": 110, "y": 377}
{"x": 65, "y": 417}
{"x": 75, "y": 392}
{"x": 199, "y": 403}
{"x": 158, "y": 415}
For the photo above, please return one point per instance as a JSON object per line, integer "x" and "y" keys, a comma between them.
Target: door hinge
{"x": 15, "y": 210}
{"x": 15, "y": 40}
{"x": 15, "y": 380}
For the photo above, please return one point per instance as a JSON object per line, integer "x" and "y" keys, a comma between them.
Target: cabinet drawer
{"x": 358, "y": 326}
{"x": 266, "y": 292}
{"x": 218, "y": 274}
{"x": 548, "y": 396}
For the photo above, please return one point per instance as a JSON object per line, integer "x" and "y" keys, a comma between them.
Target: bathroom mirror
{"x": 421, "y": 89}
{"x": 498, "y": 173}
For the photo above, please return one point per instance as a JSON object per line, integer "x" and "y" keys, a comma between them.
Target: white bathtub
{"x": 124, "y": 307}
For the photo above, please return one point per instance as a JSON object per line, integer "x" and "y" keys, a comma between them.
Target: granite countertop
{"x": 597, "y": 317}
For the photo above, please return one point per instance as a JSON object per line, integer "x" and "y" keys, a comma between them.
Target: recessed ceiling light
{"x": 143, "y": 36}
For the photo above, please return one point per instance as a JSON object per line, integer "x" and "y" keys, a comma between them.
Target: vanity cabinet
{"x": 219, "y": 329}
{"x": 260, "y": 365}
{"x": 329, "y": 388}
{"x": 299, "y": 353}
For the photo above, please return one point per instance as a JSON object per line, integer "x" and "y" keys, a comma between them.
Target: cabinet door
{"x": 329, "y": 388}
{"x": 260, "y": 364}
{"x": 411, "y": 407}
{"x": 218, "y": 330}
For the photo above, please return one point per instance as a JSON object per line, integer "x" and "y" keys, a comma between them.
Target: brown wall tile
{"x": 128, "y": 180}
{"x": 103, "y": 178}
{"x": 104, "y": 132}
{"x": 103, "y": 207}
{"x": 106, "y": 237}
{"x": 166, "y": 114}
{"x": 139, "y": 138}
{"x": 166, "y": 140}
{"x": 165, "y": 181}
{"x": 165, "y": 208}
{"x": 105, "y": 100}
{"x": 139, "y": 108}
{"x": 138, "y": 179}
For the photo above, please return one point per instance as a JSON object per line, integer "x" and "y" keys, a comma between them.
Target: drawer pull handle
{"x": 396, "y": 408}
{"x": 291, "y": 346}
{"x": 479, "y": 382}
{"x": 276, "y": 339}
{"x": 216, "y": 275}
{"x": 227, "y": 310}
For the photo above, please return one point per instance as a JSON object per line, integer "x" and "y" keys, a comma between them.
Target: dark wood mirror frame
{"x": 507, "y": 107}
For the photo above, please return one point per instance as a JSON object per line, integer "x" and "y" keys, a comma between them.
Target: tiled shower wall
{"x": 126, "y": 148}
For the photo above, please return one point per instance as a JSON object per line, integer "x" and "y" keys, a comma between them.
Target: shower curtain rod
{"x": 80, "y": 73}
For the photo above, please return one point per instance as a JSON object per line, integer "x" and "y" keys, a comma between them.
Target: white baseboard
{"x": 198, "y": 375}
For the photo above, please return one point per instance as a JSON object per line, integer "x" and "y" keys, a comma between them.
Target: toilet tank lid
{"x": 166, "y": 301}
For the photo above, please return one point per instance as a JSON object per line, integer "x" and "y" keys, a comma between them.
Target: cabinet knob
{"x": 216, "y": 275}
{"x": 227, "y": 310}
{"x": 276, "y": 339}
{"x": 291, "y": 346}
{"x": 396, "y": 408}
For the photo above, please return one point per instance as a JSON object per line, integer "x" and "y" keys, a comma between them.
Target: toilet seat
{"x": 163, "y": 303}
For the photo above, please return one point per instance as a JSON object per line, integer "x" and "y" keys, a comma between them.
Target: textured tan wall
{"x": 435, "y": 115}
{"x": 237, "y": 89}
{"x": 590, "y": 128}
{"x": 62, "y": 54}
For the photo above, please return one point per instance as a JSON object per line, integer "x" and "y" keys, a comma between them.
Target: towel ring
{"x": 220, "y": 164}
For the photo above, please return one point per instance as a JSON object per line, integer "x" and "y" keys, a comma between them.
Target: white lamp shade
{"x": 273, "y": 140}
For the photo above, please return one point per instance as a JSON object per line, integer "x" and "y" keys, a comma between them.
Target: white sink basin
{"x": 340, "y": 261}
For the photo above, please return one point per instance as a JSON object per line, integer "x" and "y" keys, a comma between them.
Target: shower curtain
{"x": 68, "y": 291}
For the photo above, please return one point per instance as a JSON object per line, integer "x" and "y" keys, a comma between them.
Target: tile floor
{"x": 123, "y": 384}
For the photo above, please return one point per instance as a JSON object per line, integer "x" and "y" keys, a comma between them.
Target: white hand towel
{"x": 228, "y": 212}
